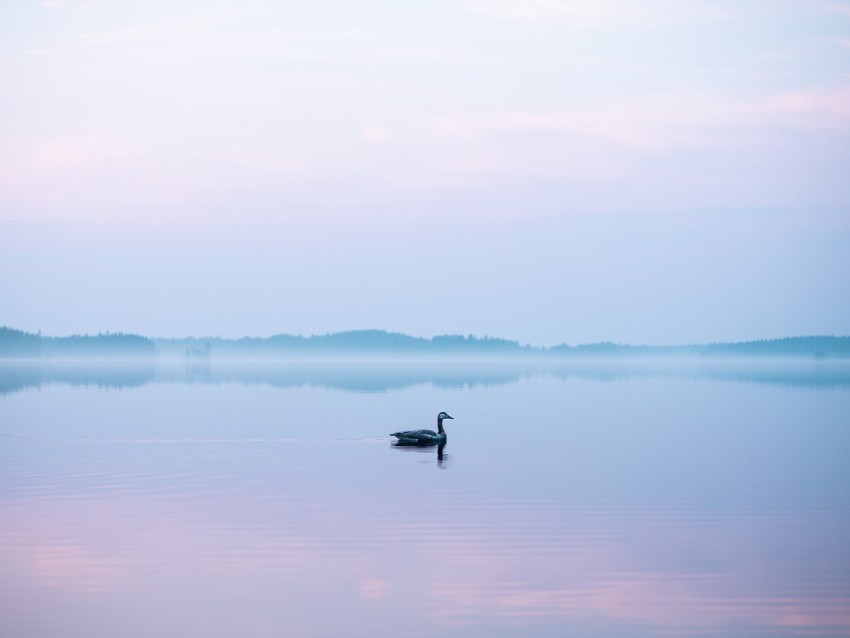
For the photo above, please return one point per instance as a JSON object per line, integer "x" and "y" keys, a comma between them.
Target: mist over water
{"x": 605, "y": 500}
{"x": 379, "y": 374}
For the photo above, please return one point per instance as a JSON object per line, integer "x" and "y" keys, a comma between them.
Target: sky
{"x": 549, "y": 171}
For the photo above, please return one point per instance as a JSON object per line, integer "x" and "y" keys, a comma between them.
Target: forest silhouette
{"x": 18, "y": 344}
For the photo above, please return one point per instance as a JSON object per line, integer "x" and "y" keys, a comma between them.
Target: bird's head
{"x": 444, "y": 415}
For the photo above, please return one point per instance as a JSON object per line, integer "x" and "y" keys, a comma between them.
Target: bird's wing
{"x": 414, "y": 434}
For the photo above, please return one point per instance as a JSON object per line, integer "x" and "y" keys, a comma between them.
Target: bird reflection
{"x": 442, "y": 457}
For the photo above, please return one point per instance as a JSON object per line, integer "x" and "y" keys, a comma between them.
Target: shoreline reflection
{"x": 363, "y": 377}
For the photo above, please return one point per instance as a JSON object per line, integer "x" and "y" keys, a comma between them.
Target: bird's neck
{"x": 440, "y": 426}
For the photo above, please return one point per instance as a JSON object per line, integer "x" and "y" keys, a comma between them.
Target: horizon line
{"x": 391, "y": 333}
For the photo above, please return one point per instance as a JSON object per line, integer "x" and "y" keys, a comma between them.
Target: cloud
{"x": 817, "y": 107}
{"x": 670, "y": 120}
{"x": 76, "y": 153}
{"x": 664, "y": 150}
{"x": 542, "y": 10}
{"x": 61, "y": 4}
{"x": 841, "y": 8}
{"x": 596, "y": 12}
{"x": 374, "y": 134}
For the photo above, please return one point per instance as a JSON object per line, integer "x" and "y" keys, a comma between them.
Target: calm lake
{"x": 632, "y": 500}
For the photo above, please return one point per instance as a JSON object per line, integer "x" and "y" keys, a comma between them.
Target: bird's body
{"x": 424, "y": 437}
{"x": 419, "y": 437}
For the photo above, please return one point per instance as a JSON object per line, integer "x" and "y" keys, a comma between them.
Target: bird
{"x": 424, "y": 437}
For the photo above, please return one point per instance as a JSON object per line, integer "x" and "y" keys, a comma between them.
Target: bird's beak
{"x": 449, "y": 417}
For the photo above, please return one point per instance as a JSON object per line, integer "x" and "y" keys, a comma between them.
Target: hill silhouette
{"x": 18, "y": 344}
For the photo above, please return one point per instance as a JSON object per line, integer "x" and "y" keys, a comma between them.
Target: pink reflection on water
{"x": 72, "y": 567}
{"x": 670, "y": 600}
{"x": 617, "y": 577}
{"x": 380, "y": 568}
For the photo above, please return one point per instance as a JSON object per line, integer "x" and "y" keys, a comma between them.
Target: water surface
{"x": 266, "y": 500}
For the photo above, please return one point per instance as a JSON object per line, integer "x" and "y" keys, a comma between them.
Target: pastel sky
{"x": 550, "y": 171}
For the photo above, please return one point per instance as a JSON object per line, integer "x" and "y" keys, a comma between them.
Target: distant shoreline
{"x": 383, "y": 345}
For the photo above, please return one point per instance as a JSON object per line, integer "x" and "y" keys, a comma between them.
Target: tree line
{"x": 25, "y": 345}
{"x": 20, "y": 344}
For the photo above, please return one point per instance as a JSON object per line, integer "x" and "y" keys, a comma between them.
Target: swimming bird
{"x": 424, "y": 437}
